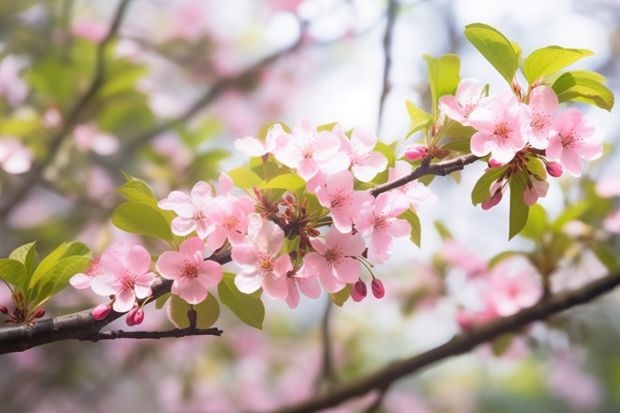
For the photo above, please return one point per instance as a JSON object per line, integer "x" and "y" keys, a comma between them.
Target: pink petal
{"x": 247, "y": 285}
{"x": 124, "y": 301}
{"x": 104, "y": 285}
{"x": 367, "y": 168}
{"x": 245, "y": 254}
{"x": 347, "y": 270}
{"x": 309, "y": 286}
{"x": 189, "y": 289}
{"x": 275, "y": 286}
{"x": 250, "y": 146}
{"x": 138, "y": 259}
{"x": 183, "y": 226}
{"x": 170, "y": 264}
{"x": 209, "y": 274}
{"x": 292, "y": 299}
{"x": 399, "y": 229}
{"x": 571, "y": 161}
{"x": 179, "y": 202}
{"x": 80, "y": 281}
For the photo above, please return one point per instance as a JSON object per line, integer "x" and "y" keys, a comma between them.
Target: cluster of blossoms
{"x": 276, "y": 240}
{"x": 516, "y": 128}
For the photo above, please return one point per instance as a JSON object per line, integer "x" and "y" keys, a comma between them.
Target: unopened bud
{"x": 416, "y": 152}
{"x": 4, "y": 309}
{"x": 39, "y": 312}
{"x": 101, "y": 311}
{"x": 130, "y": 319}
{"x": 138, "y": 317}
{"x": 554, "y": 169}
{"x": 358, "y": 292}
{"x": 378, "y": 290}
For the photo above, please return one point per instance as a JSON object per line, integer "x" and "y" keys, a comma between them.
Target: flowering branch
{"x": 11, "y": 199}
{"x": 460, "y": 344}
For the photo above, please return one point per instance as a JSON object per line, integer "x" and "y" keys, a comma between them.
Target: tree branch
{"x": 173, "y": 333}
{"x": 460, "y": 344}
{"x": 12, "y": 199}
{"x": 387, "y": 58}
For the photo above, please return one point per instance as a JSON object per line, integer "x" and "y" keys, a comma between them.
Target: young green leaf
{"x": 245, "y": 178}
{"x": 583, "y": 86}
{"x": 57, "y": 277}
{"x": 136, "y": 190}
{"x": 518, "y": 208}
{"x": 496, "y": 48}
{"x": 291, "y": 182}
{"x": 207, "y": 312}
{"x": 416, "y": 228}
{"x": 420, "y": 119}
{"x": 537, "y": 223}
{"x": 248, "y": 307}
{"x": 443, "y": 76}
{"x": 143, "y": 219}
{"x": 482, "y": 188}
{"x": 341, "y": 297}
{"x": 66, "y": 249}
{"x": 27, "y": 255}
{"x": 548, "y": 60}
{"x": 13, "y": 272}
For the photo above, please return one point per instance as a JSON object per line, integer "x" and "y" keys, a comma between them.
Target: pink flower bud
{"x": 138, "y": 317}
{"x": 464, "y": 320}
{"x": 494, "y": 200}
{"x": 494, "y": 164}
{"x": 358, "y": 292}
{"x": 4, "y": 309}
{"x": 130, "y": 319}
{"x": 39, "y": 312}
{"x": 416, "y": 152}
{"x": 377, "y": 288}
{"x": 101, "y": 311}
{"x": 554, "y": 169}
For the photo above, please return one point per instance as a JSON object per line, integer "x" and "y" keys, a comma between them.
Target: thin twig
{"x": 12, "y": 199}
{"x": 327, "y": 374}
{"x": 154, "y": 335}
{"x": 460, "y": 344}
{"x": 387, "y": 58}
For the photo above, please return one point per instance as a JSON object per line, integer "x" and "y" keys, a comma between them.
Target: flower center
{"x": 502, "y": 130}
{"x": 265, "y": 264}
{"x": 190, "y": 271}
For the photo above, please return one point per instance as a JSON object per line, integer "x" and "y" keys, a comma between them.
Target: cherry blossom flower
{"x": 611, "y": 222}
{"x": 124, "y": 273}
{"x": 81, "y": 281}
{"x": 416, "y": 192}
{"x": 12, "y": 87}
{"x": 468, "y": 95}
{"x": 191, "y": 210}
{"x": 542, "y": 105}
{"x": 308, "y": 286}
{"x": 575, "y": 140}
{"x": 498, "y": 126}
{"x": 87, "y": 137}
{"x": 535, "y": 189}
{"x": 365, "y": 163}
{"x": 192, "y": 274}
{"x": 514, "y": 284}
{"x": 333, "y": 259}
{"x": 276, "y": 138}
{"x": 15, "y": 158}
{"x": 343, "y": 202}
{"x": 380, "y": 222}
{"x": 309, "y": 151}
{"x": 457, "y": 255}
{"x": 259, "y": 259}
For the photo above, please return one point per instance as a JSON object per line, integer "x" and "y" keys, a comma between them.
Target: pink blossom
{"x": 365, "y": 163}
{"x": 309, "y": 151}
{"x": 333, "y": 259}
{"x": 514, "y": 284}
{"x": 284, "y": 5}
{"x": 191, "y": 210}
{"x": 380, "y": 221}
{"x": 535, "y": 189}
{"x": 82, "y": 280}
{"x": 416, "y": 192}
{"x": 124, "y": 274}
{"x": 308, "y": 286}
{"x": 174, "y": 150}
{"x": 542, "y": 105}
{"x": 611, "y": 222}
{"x": 468, "y": 95}
{"x": 573, "y": 141}
{"x": 498, "y": 126}
{"x": 457, "y": 255}
{"x": 15, "y": 157}
{"x": 260, "y": 260}
{"x": 101, "y": 311}
{"x": 608, "y": 185}
{"x": 554, "y": 169}
{"x": 416, "y": 152}
{"x": 343, "y": 202}
{"x": 577, "y": 388}
{"x": 89, "y": 138}
{"x": 89, "y": 29}
{"x": 192, "y": 274}
{"x": 12, "y": 87}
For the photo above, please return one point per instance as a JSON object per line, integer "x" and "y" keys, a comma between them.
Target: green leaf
{"x": 443, "y": 76}
{"x": 583, "y": 86}
{"x": 57, "y": 277}
{"x": 536, "y": 167}
{"x": 248, "y": 307}
{"x": 416, "y": 228}
{"x": 482, "y": 188}
{"x": 443, "y": 230}
{"x": 341, "y": 297}
{"x": 605, "y": 255}
{"x": 548, "y": 60}
{"x": 27, "y": 255}
{"x": 207, "y": 312}
{"x": 569, "y": 213}
{"x": 245, "y": 178}
{"x": 13, "y": 272}
{"x": 291, "y": 182}
{"x": 66, "y": 249}
{"x": 501, "y": 344}
{"x": 420, "y": 119}
{"x": 143, "y": 219}
{"x": 537, "y": 223}
{"x": 518, "y": 208}
{"x": 162, "y": 300}
{"x": 136, "y": 190}
{"x": 496, "y": 48}
{"x": 123, "y": 80}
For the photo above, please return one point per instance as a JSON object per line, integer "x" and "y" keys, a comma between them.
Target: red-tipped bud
{"x": 138, "y": 317}
{"x": 378, "y": 290}
{"x": 554, "y": 169}
{"x": 491, "y": 202}
{"x": 101, "y": 311}
{"x": 494, "y": 164}
{"x": 416, "y": 152}
{"x": 39, "y": 312}
{"x": 4, "y": 309}
{"x": 358, "y": 292}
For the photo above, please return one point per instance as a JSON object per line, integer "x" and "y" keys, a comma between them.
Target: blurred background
{"x": 184, "y": 79}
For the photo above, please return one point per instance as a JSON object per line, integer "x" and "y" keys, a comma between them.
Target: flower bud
{"x": 377, "y": 288}
{"x": 138, "y": 317}
{"x": 358, "y": 292}
{"x": 416, "y": 152}
{"x": 4, "y": 309}
{"x": 101, "y": 311}
{"x": 554, "y": 169}
{"x": 39, "y": 312}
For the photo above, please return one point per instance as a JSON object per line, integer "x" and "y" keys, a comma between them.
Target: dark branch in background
{"x": 12, "y": 198}
{"x": 326, "y": 376}
{"x": 174, "y": 333}
{"x": 387, "y": 58}
{"x": 460, "y": 344}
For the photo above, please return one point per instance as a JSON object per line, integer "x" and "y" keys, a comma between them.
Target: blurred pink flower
{"x": 365, "y": 163}
{"x": 542, "y": 105}
{"x": 611, "y": 222}
{"x": 460, "y": 257}
{"x": 191, "y": 210}
{"x": 12, "y": 87}
{"x": 88, "y": 138}
{"x": 260, "y": 260}
{"x": 514, "y": 284}
{"x": 498, "y": 128}
{"x": 92, "y": 30}
{"x": 15, "y": 157}
{"x": 174, "y": 150}
{"x": 124, "y": 273}
{"x": 578, "y": 389}
{"x": 575, "y": 140}
{"x": 192, "y": 274}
